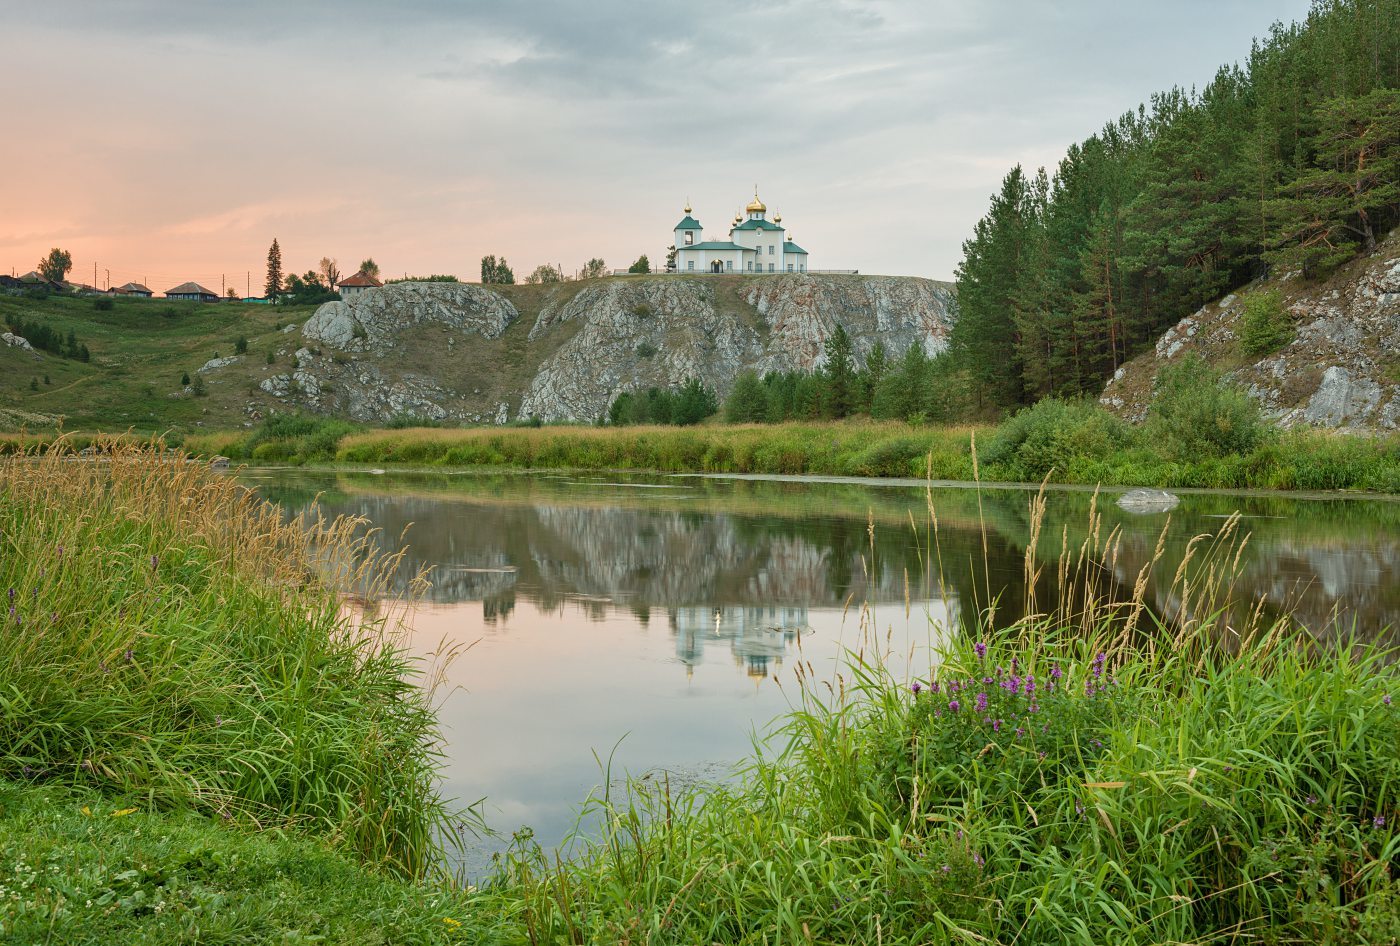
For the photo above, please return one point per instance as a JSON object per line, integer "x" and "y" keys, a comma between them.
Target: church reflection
{"x": 758, "y": 638}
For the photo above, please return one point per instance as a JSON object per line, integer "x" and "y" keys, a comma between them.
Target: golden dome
{"x": 778, "y": 217}
{"x": 756, "y": 206}
{"x": 687, "y": 206}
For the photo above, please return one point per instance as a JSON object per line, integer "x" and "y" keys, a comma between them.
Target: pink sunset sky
{"x": 166, "y": 141}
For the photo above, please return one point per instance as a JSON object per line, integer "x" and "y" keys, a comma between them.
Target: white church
{"x": 755, "y": 245}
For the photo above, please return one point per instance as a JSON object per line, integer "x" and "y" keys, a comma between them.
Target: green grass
{"x": 169, "y": 634}
{"x": 197, "y": 746}
{"x": 1294, "y": 460}
{"x": 1158, "y": 783}
{"x": 140, "y": 348}
{"x": 75, "y": 870}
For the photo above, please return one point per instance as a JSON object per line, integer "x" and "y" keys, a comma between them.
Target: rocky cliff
{"x": 477, "y": 354}
{"x": 1341, "y": 369}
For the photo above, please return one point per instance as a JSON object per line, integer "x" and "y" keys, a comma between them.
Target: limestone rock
{"x": 1146, "y": 501}
{"x": 371, "y": 320}
{"x": 15, "y": 341}
{"x": 1342, "y": 369}
{"x": 215, "y": 363}
{"x": 458, "y": 352}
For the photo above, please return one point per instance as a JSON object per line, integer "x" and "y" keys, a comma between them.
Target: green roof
{"x": 688, "y": 223}
{"x": 714, "y": 245}
{"x": 757, "y": 225}
{"x": 791, "y": 247}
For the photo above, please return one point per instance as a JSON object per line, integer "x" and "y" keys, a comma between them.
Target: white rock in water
{"x": 1148, "y": 501}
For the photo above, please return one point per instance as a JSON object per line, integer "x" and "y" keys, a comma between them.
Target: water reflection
{"x": 672, "y": 617}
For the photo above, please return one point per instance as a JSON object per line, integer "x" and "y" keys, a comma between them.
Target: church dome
{"x": 756, "y": 206}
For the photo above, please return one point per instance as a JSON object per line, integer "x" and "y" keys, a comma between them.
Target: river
{"x": 617, "y": 623}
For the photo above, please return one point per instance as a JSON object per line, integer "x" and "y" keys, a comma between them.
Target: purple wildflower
{"x": 1030, "y": 685}
{"x": 954, "y": 706}
{"x": 933, "y": 686}
{"x": 1056, "y": 673}
{"x": 1020, "y": 732}
{"x": 916, "y": 688}
{"x": 977, "y": 859}
{"x": 996, "y": 725}
{"x": 1310, "y": 800}
{"x": 981, "y": 702}
{"x": 946, "y": 868}
{"x": 1378, "y": 821}
{"x": 1098, "y": 664}
{"x": 154, "y": 562}
{"x": 128, "y": 655}
{"x": 981, "y": 649}
{"x": 1386, "y": 699}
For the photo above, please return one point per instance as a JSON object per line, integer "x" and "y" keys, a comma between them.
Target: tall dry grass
{"x": 1107, "y": 769}
{"x": 170, "y": 633}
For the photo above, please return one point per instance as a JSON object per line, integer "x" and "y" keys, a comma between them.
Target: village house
{"x": 354, "y": 285}
{"x": 133, "y": 289}
{"x": 193, "y": 292}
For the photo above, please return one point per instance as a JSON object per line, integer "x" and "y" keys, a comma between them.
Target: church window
{"x": 689, "y": 237}
{"x": 729, "y": 266}
{"x": 789, "y": 267}
{"x": 770, "y": 249}
{"x": 690, "y": 264}
{"x": 770, "y": 267}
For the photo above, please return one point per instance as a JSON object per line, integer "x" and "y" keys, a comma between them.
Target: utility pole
{"x": 109, "y": 279}
{"x": 247, "y": 284}
{"x": 223, "y": 286}
{"x": 94, "y": 274}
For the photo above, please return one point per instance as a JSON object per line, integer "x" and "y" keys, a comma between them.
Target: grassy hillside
{"x": 139, "y": 350}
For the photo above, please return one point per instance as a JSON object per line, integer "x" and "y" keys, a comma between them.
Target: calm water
{"x": 656, "y": 620}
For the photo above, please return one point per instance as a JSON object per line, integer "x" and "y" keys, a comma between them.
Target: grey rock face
{"x": 372, "y": 320}
{"x": 453, "y": 351}
{"x": 15, "y": 341}
{"x": 1339, "y": 371}
{"x": 636, "y": 334}
{"x": 1341, "y": 400}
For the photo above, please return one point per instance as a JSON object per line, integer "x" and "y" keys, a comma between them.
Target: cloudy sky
{"x": 173, "y": 139}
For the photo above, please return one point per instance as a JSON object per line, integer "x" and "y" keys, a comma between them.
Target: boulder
{"x": 1147, "y": 501}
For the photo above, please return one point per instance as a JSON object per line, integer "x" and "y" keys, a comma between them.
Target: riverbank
{"x": 170, "y": 635}
{"x": 196, "y": 743}
{"x": 1069, "y": 447}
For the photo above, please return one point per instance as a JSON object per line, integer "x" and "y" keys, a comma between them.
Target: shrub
{"x": 1195, "y": 412}
{"x": 1052, "y": 434}
{"x": 1266, "y": 326}
{"x": 240, "y": 347}
{"x": 646, "y": 350}
{"x": 197, "y": 386}
{"x": 102, "y": 305}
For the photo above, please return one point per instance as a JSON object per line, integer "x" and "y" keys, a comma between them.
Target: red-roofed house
{"x": 356, "y": 284}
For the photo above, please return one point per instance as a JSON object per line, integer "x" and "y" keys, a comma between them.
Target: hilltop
{"x": 453, "y": 352}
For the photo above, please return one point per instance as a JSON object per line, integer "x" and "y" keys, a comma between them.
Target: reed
{"x": 168, "y": 633}
{"x": 1104, "y": 770}
{"x": 1063, "y": 448}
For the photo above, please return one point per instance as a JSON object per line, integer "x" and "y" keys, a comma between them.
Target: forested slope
{"x": 1287, "y": 162}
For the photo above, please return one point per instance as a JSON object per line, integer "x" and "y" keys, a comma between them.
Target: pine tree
{"x": 274, "y": 271}
{"x": 748, "y": 401}
{"x": 842, "y": 391}
{"x": 877, "y": 363}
